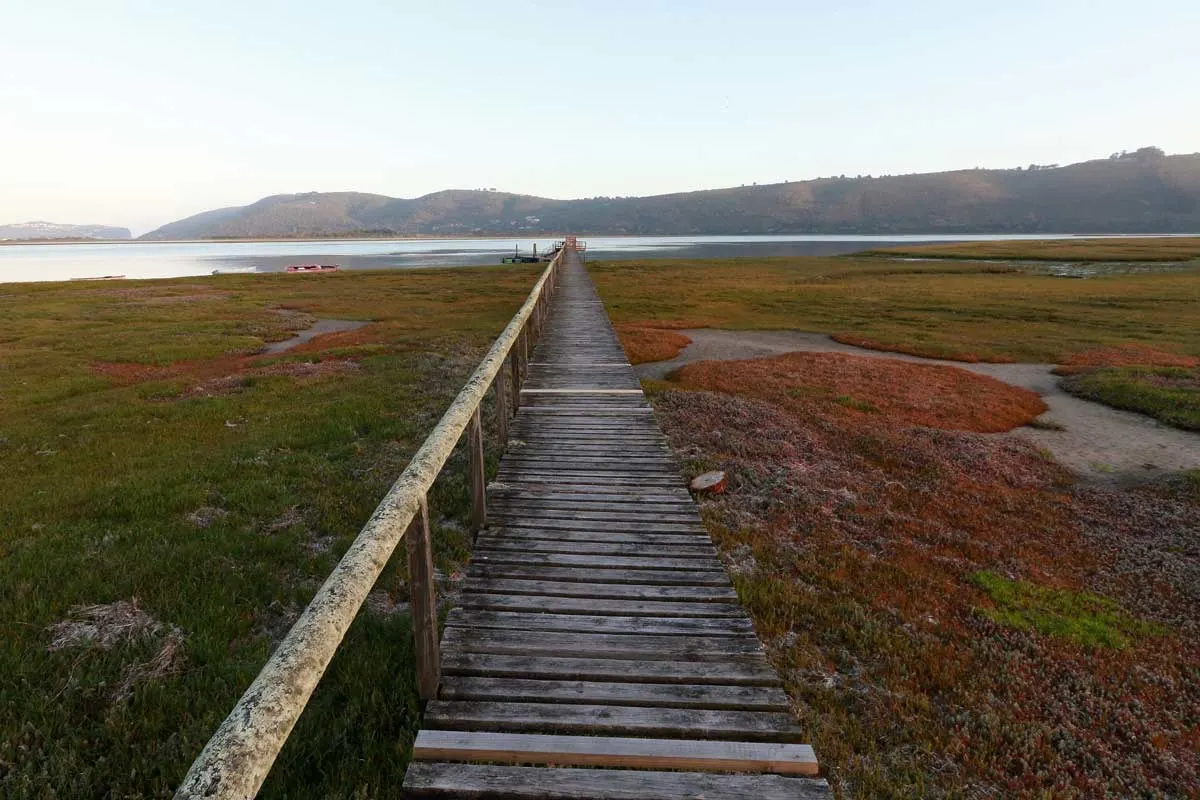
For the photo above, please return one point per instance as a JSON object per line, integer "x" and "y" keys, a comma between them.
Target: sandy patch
{"x": 319, "y": 328}
{"x": 1098, "y": 442}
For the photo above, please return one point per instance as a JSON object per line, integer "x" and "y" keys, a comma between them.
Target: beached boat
{"x": 306, "y": 268}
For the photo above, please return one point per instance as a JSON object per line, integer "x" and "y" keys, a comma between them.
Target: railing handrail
{"x": 237, "y": 758}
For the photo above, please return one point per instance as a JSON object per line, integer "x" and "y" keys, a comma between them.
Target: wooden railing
{"x": 236, "y": 760}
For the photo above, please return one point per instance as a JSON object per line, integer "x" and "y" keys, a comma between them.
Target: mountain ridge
{"x": 1144, "y": 191}
{"x": 39, "y": 230}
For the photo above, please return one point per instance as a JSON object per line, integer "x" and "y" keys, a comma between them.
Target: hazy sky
{"x": 137, "y": 113}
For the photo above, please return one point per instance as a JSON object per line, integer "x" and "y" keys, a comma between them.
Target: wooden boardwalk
{"x": 598, "y": 649}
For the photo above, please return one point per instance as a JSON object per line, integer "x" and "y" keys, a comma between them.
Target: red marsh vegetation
{"x": 951, "y": 614}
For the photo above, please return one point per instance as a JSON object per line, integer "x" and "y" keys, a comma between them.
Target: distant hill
{"x": 1143, "y": 191}
{"x": 54, "y": 230}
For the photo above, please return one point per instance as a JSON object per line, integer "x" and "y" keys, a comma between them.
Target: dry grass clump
{"x": 890, "y": 391}
{"x": 645, "y": 342}
{"x": 103, "y": 626}
{"x": 941, "y": 604}
{"x": 922, "y": 351}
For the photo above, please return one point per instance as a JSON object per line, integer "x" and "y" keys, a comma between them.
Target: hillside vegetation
{"x": 1144, "y": 191}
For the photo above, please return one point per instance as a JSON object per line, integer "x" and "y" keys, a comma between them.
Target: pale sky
{"x": 137, "y": 113}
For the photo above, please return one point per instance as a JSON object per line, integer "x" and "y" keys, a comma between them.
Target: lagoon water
{"x": 57, "y": 262}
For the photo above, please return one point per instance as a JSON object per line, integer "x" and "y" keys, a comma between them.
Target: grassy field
{"x": 1112, "y": 249}
{"x": 172, "y": 502}
{"x": 965, "y": 311}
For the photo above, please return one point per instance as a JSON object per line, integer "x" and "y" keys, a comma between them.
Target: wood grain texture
{"x": 608, "y": 751}
{"x": 596, "y": 626}
{"x": 486, "y": 782}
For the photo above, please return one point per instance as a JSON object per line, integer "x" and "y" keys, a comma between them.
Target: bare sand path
{"x": 1100, "y": 443}
{"x": 318, "y": 328}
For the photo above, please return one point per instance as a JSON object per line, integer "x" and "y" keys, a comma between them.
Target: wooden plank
{"x": 694, "y": 549}
{"x": 422, "y": 593}
{"x": 612, "y": 591}
{"x": 492, "y": 782}
{"x": 605, "y": 720}
{"x": 607, "y": 751}
{"x": 598, "y": 537}
{"x": 642, "y": 695}
{"x": 628, "y": 647}
{"x": 583, "y": 575}
{"x": 629, "y": 514}
{"x": 596, "y": 606}
{"x": 598, "y": 562}
{"x": 500, "y": 665}
{"x": 599, "y": 623}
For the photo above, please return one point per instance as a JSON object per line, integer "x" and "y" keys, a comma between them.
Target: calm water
{"x": 56, "y": 262}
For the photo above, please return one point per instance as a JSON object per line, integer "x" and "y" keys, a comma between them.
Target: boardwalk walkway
{"x": 598, "y": 649}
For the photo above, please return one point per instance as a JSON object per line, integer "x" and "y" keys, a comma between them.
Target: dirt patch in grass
{"x": 218, "y": 376}
{"x": 299, "y": 370}
{"x": 366, "y": 335}
{"x": 860, "y": 545}
{"x": 919, "y": 350}
{"x": 898, "y": 392}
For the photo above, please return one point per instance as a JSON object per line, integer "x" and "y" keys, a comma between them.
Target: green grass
{"x": 1087, "y": 619}
{"x": 1169, "y": 394}
{"x": 1102, "y": 249}
{"x": 942, "y": 309}
{"x": 100, "y": 480}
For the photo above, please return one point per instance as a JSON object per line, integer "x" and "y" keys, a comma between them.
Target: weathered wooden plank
{"x": 630, "y": 647}
{"x": 592, "y": 605}
{"x": 607, "y": 751}
{"x": 642, "y": 695}
{"x": 612, "y": 591}
{"x": 597, "y": 562}
{"x": 605, "y": 720}
{"x": 500, "y": 544}
{"x": 515, "y": 524}
{"x": 630, "y": 513}
{"x": 598, "y": 623}
{"x": 491, "y": 782}
{"x": 600, "y": 537}
{"x": 743, "y": 673}
{"x": 584, "y": 575}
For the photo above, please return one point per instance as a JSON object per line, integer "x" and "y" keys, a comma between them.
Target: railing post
{"x": 476, "y": 473}
{"x": 423, "y": 594}
{"x": 514, "y": 364}
{"x": 523, "y": 344}
{"x": 501, "y": 407}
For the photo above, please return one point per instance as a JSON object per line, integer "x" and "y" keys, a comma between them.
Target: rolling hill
{"x": 1144, "y": 191}
{"x": 35, "y": 231}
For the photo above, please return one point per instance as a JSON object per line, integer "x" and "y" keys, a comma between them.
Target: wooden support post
{"x": 476, "y": 473}
{"x": 423, "y": 594}
{"x": 514, "y": 363}
{"x": 523, "y": 353}
{"x": 501, "y": 408}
